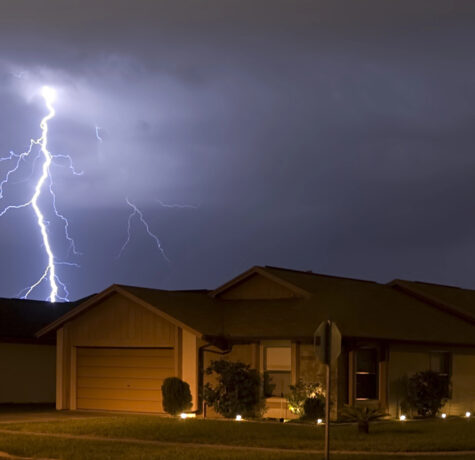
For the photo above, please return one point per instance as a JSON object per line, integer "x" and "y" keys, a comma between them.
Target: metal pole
{"x": 328, "y": 385}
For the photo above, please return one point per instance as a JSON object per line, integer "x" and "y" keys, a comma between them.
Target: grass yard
{"x": 433, "y": 435}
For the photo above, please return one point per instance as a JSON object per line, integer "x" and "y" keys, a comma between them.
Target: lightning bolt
{"x": 98, "y": 136}
{"x": 57, "y": 288}
{"x": 177, "y": 206}
{"x": 136, "y": 212}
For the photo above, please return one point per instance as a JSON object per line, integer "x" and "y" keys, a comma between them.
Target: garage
{"x": 122, "y": 379}
{"x": 114, "y": 350}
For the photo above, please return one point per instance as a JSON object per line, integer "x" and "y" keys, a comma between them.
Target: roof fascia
{"x": 434, "y": 301}
{"x": 256, "y": 270}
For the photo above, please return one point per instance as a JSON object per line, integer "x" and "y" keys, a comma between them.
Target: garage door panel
{"x": 132, "y": 383}
{"x": 128, "y": 361}
{"x": 137, "y": 372}
{"x": 123, "y": 405}
{"x": 122, "y": 379}
{"x": 115, "y": 393}
{"x": 133, "y": 352}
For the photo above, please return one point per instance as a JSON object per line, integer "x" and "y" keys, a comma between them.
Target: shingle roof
{"x": 461, "y": 300}
{"x": 361, "y": 309}
{"x": 194, "y": 308}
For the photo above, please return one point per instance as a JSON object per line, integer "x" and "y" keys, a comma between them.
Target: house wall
{"x": 27, "y": 373}
{"x": 116, "y": 322}
{"x": 312, "y": 370}
{"x": 463, "y": 384}
{"x": 406, "y": 361}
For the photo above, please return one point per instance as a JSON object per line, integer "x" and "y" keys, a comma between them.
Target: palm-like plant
{"x": 362, "y": 416}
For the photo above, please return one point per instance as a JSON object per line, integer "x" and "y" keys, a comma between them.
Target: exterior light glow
{"x": 238, "y": 418}
{"x": 402, "y": 418}
{"x": 444, "y": 415}
{"x": 319, "y": 421}
{"x": 468, "y": 414}
{"x": 184, "y": 415}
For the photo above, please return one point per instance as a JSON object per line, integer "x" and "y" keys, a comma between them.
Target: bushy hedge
{"x": 427, "y": 392}
{"x": 176, "y": 395}
{"x": 237, "y": 391}
{"x": 306, "y": 400}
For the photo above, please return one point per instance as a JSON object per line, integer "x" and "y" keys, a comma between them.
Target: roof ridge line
{"x": 310, "y": 272}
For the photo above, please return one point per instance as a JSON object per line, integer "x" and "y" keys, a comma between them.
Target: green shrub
{"x": 427, "y": 392}
{"x": 237, "y": 392}
{"x": 314, "y": 408}
{"x": 302, "y": 391}
{"x": 362, "y": 416}
{"x": 176, "y": 395}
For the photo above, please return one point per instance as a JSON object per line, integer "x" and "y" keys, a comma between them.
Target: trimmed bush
{"x": 299, "y": 394}
{"x": 176, "y": 395}
{"x": 427, "y": 392}
{"x": 314, "y": 408}
{"x": 237, "y": 391}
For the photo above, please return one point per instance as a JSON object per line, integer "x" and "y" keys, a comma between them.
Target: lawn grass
{"x": 430, "y": 435}
{"x": 72, "y": 449}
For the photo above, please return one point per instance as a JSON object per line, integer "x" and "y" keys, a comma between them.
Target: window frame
{"x": 376, "y": 373}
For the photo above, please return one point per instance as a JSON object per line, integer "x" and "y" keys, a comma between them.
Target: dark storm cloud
{"x": 335, "y": 136}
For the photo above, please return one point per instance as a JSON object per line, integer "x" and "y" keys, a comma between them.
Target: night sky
{"x": 332, "y": 136}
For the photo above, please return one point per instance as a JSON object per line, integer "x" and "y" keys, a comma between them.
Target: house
{"x": 25, "y": 358}
{"x": 115, "y": 349}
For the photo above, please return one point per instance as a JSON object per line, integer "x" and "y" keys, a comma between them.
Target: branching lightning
{"x": 136, "y": 212}
{"x": 58, "y": 289}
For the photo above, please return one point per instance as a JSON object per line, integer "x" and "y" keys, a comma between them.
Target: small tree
{"x": 176, "y": 395}
{"x": 237, "y": 391}
{"x": 300, "y": 393}
{"x": 362, "y": 416}
{"x": 427, "y": 392}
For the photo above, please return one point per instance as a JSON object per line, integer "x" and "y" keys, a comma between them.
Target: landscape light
{"x": 238, "y": 418}
{"x": 444, "y": 415}
{"x": 468, "y": 414}
{"x": 402, "y": 418}
{"x": 183, "y": 415}
{"x": 319, "y": 421}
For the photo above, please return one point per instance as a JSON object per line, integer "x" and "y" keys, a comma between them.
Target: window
{"x": 278, "y": 368}
{"x": 366, "y": 374}
{"x": 440, "y": 363}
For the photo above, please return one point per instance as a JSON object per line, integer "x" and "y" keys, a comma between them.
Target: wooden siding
{"x": 117, "y": 321}
{"x": 122, "y": 379}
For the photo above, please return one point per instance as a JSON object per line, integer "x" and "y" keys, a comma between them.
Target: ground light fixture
{"x": 468, "y": 414}
{"x": 319, "y": 421}
{"x": 238, "y": 418}
{"x": 402, "y": 418}
{"x": 184, "y": 415}
{"x": 444, "y": 415}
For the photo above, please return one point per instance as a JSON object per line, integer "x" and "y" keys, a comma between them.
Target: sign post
{"x": 327, "y": 350}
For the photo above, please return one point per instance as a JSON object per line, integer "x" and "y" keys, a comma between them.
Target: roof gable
{"x": 258, "y": 284}
{"x": 99, "y": 298}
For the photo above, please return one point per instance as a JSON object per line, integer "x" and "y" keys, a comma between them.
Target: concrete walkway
{"x": 231, "y": 447}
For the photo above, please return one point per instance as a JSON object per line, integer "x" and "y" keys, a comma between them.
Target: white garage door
{"x": 124, "y": 379}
